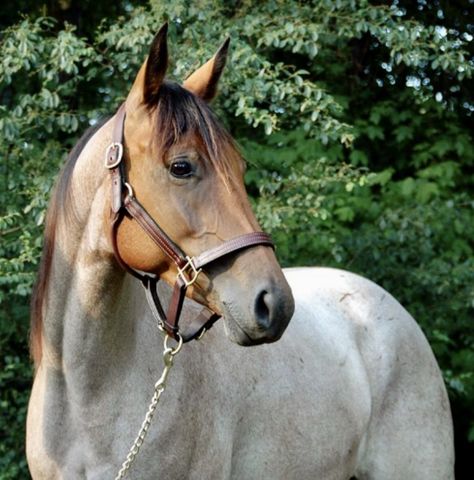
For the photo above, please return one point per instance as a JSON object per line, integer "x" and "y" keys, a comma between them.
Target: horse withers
{"x": 350, "y": 389}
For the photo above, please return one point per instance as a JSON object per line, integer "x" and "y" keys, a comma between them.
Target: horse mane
{"x": 58, "y": 206}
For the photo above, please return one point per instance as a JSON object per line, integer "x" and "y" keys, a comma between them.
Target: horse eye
{"x": 181, "y": 169}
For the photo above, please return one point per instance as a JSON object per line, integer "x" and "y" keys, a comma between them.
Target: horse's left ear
{"x": 203, "y": 82}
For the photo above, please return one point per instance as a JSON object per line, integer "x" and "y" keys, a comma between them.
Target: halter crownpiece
{"x": 124, "y": 201}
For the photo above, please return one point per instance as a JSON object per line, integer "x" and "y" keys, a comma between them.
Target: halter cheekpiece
{"x": 124, "y": 202}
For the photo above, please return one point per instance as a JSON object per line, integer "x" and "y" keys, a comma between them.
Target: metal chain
{"x": 168, "y": 358}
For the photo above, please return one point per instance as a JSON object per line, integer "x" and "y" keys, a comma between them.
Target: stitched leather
{"x": 119, "y": 125}
{"x": 233, "y": 245}
{"x": 137, "y": 212}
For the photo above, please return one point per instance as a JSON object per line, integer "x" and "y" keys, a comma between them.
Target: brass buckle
{"x": 189, "y": 273}
{"x": 118, "y": 148}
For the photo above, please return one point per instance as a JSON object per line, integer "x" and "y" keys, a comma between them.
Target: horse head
{"x": 188, "y": 174}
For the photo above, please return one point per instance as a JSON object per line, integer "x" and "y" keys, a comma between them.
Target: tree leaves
{"x": 355, "y": 120}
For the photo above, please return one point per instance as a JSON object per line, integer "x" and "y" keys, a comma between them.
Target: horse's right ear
{"x": 152, "y": 73}
{"x": 156, "y": 65}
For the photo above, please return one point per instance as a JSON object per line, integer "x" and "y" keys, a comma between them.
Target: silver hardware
{"x": 168, "y": 359}
{"x": 161, "y": 326}
{"x": 189, "y": 270}
{"x": 129, "y": 188}
{"x": 174, "y": 351}
{"x": 108, "y": 153}
{"x": 204, "y": 331}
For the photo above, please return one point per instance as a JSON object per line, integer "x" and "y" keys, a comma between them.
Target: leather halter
{"x": 123, "y": 202}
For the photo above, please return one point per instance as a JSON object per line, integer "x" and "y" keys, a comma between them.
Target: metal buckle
{"x": 193, "y": 271}
{"x": 204, "y": 331}
{"x": 108, "y": 154}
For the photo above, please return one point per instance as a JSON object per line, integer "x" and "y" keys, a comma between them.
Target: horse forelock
{"x": 59, "y": 206}
{"x": 180, "y": 114}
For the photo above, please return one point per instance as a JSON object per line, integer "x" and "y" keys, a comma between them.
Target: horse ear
{"x": 203, "y": 82}
{"x": 156, "y": 65}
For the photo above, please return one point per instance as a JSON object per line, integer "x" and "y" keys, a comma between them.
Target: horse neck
{"x": 81, "y": 321}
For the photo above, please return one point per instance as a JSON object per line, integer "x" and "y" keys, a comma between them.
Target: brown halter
{"x": 188, "y": 267}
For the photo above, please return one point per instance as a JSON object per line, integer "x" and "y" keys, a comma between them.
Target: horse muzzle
{"x": 256, "y": 314}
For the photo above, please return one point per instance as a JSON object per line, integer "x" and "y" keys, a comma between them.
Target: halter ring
{"x": 177, "y": 348}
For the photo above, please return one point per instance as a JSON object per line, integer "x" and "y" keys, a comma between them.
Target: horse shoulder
{"x": 367, "y": 318}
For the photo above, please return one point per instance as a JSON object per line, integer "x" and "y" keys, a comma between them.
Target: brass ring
{"x": 174, "y": 351}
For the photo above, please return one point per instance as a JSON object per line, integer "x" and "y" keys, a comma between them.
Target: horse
{"x": 348, "y": 389}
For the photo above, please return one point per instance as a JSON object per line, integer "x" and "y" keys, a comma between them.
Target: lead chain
{"x": 168, "y": 358}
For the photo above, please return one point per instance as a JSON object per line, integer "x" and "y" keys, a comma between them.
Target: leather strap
{"x": 188, "y": 268}
{"x": 233, "y": 245}
{"x": 138, "y": 213}
{"x": 198, "y": 325}
{"x": 113, "y": 160}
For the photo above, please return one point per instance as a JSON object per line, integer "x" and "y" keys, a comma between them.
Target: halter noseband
{"x": 124, "y": 202}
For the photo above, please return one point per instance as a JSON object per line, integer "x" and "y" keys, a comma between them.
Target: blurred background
{"x": 355, "y": 117}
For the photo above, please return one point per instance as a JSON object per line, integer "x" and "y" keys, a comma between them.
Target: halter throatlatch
{"x": 123, "y": 202}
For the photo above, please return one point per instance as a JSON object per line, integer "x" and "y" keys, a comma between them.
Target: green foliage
{"x": 305, "y": 192}
{"x": 355, "y": 120}
{"x": 15, "y": 382}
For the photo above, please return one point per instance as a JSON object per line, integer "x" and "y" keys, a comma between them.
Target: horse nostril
{"x": 262, "y": 309}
